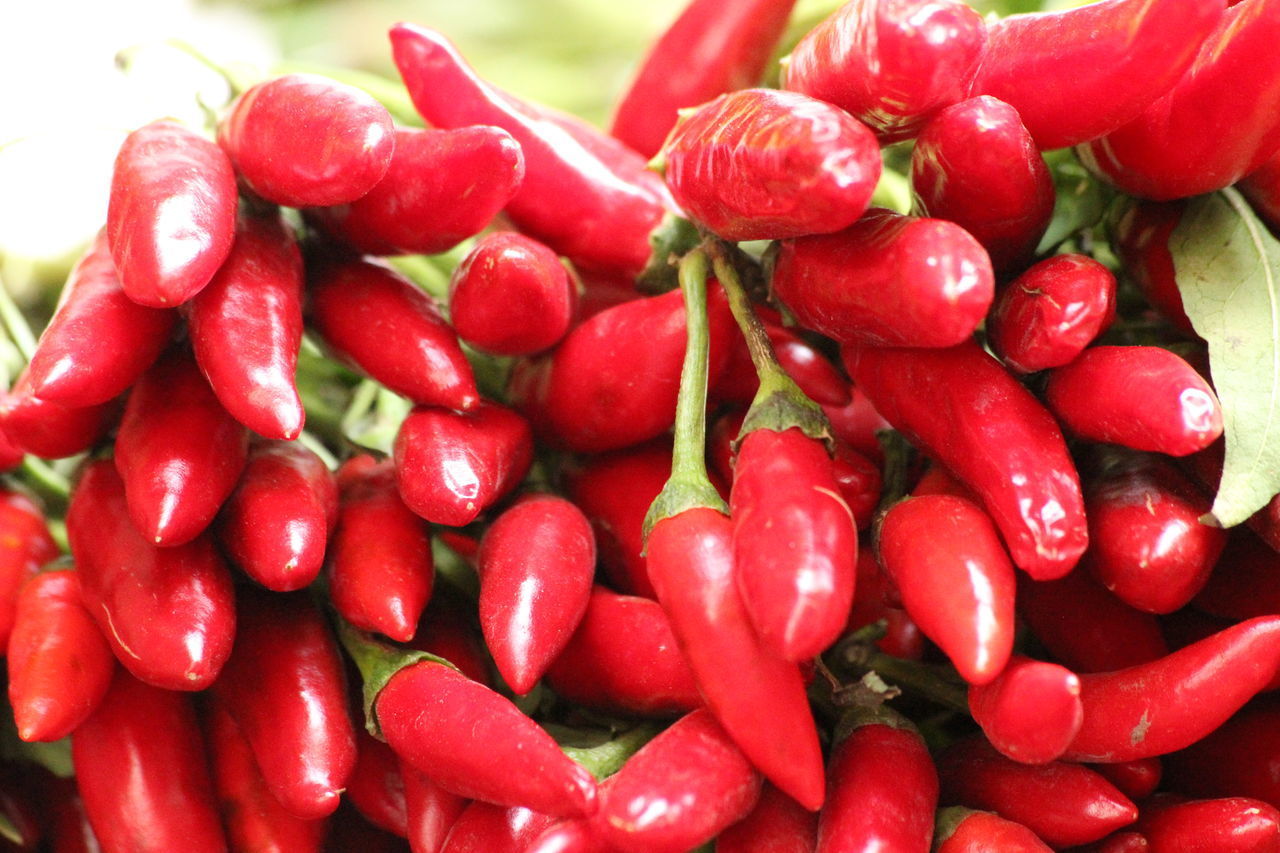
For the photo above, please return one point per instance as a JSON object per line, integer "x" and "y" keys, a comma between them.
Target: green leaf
{"x": 1079, "y": 199}
{"x": 1228, "y": 271}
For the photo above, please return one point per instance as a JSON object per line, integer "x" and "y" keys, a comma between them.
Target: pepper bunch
{"x": 361, "y": 558}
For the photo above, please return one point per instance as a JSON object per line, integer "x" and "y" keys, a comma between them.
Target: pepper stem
{"x": 859, "y": 655}
{"x": 605, "y": 759}
{"x": 377, "y": 663}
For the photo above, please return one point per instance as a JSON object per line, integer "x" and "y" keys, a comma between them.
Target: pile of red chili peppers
{"x": 710, "y": 506}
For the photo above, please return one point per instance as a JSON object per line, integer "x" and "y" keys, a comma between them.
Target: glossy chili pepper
{"x": 1031, "y": 711}
{"x": 570, "y": 836}
{"x": 1140, "y": 238}
{"x": 442, "y": 187}
{"x": 961, "y": 830}
{"x": 1136, "y": 779}
{"x": 277, "y": 521}
{"x": 51, "y": 430}
{"x": 376, "y": 788}
{"x": 1064, "y": 804}
{"x": 451, "y": 466}
{"x": 817, "y": 377}
{"x": 966, "y": 411}
{"x": 25, "y": 546}
{"x": 1118, "y": 842}
{"x": 1228, "y": 824}
{"x": 172, "y": 215}
{"x": 430, "y": 811}
{"x": 974, "y": 164}
{"x": 888, "y": 280}
{"x": 778, "y": 824}
{"x": 486, "y": 828}
{"x": 585, "y": 195}
{"x": 536, "y": 563}
{"x": 59, "y": 662}
{"x": 381, "y": 572}
{"x": 140, "y": 764}
{"x": 890, "y": 64}
{"x": 957, "y": 583}
{"x": 99, "y": 341}
{"x": 1245, "y": 582}
{"x": 1235, "y": 760}
{"x": 511, "y": 296}
{"x": 878, "y": 599}
{"x": 1049, "y": 314}
{"x": 1217, "y": 124}
{"x": 857, "y": 423}
{"x": 761, "y": 164}
{"x": 304, "y": 140}
{"x": 168, "y": 613}
{"x": 246, "y": 328}
{"x": 378, "y": 321}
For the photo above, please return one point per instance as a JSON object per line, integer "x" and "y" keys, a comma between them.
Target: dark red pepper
{"x": 1245, "y": 582}
{"x": 447, "y": 630}
{"x": 1140, "y": 237}
{"x": 376, "y": 786}
{"x": 817, "y": 377}
{"x": 1237, "y": 759}
{"x": 1228, "y": 824}
{"x": 1031, "y": 711}
{"x": 961, "y": 830}
{"x": 25, "y": 546}
{"x": 878, "y": 599}
{"x": 430, "y": 811}
{"x": 1262, "y": 188}
{"x": 778, "y": 824}
{"x": 857, "y": 423}
{"x": 1136, "y": 779}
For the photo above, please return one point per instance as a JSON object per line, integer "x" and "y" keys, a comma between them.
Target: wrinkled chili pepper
{"x": 430, "y": 811}
{"x": 777, "y": 824}
{"x": 25, "y": 546}
{"x": 51, "y": 430}
{"x": 376, "y": 787}
{"x": 962, "y": 830}
{"x": 1030, "y": 711}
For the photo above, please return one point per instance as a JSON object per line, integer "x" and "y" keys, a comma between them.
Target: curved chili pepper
{"x": 1235, "y": 760}
{"x": 888, "y": 280}
{"x": 168, "y": 613}
{"x": 957, "y": 584}
{"x": 51, "y": 430}
{"x": 25, "y": 546}
{"x": 172, "y": 214}
{"x": 486, "y": 828}
{"x": 961, "y": 830}
{"x": 1245, "y": 582}
{"x": 890, "y": 64}
{"x": 59, "y": 663}
{"x": 967, "y": 412}
{"x": 878, "y": 599}
{"x": 511, "y": 296}
{"x": 1229, "y": 824}
{"x": 1140, "y": 237}
{"x": 307, "y": 141}
{"x": 277, "y": 521}
{"x": 1136, "y": 779}
{"x": 1064, "y": 804}
{"x": 974, "y": 164}
{"x": 857, "y": 423}
{"x": 777, "y": 824}
{"x": 1030, "y": 711}
{"x": 1217, "y": 124}
{"x": 1049, "y": 314}
{"x": 378, "y": 321}
{"x": 376, "y": 787}
{"x": 141, "y": 767}
{"x": 246, "y": 328}
{"x": 442, "y": 187}
{"x": 585, "y": 195}
{"x": 430, "y": 811}
{"x": 818, "y": 378}
{"x": 99, "y": 341}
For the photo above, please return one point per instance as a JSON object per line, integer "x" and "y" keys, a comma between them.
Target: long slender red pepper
{"x": 51, "y": 430}
{"x": 1031, "y": 711}
{"x": 25, "y": 546}
{"x": 1229, "y": 824}
{"x": 961, "y": 830}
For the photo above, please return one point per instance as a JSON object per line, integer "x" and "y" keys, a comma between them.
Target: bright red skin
{"x": 613, "y": 381}
{"x": 1244, "y": 581}
{"x": 303, "y": 140}
{"x": 10, "y": 454}
{"x": 59, "y": 663}
{"x": 680, "y": 790}
{"x": 964, "y": 410}
{"x": 451, "y": 466}
{"x": 511, "y": 296}
{"x": 430, "y": 811}
{"x": 172, "y": 214}
{"x": 1168, "y": 704}
{"x": 758, "y": 697}
{"x": 984, "y": 832}
{"x": 891, "y": 64}
{"x": 763, "y": 164}
{"x": 584, "y": 194}
{"x": 712, "y": 48}
{"x": 1148, "y": 545}
{"x": 570, "y": 836}
{"x": 442, "y": 187}
{"x": 957, "y": 583}
{"x": 1141, "y": 240}
{"x": 1217, "y": 124}
{"x": 888, "y": 280}
{"x": 381, "y": 323}
{"x": 817, "y": 377}
{"x": 246, "y": 328}
{"x": 877, "y": 598}
{"x": 1113, "y": 58}
{"x": 1136, "y": 779}
{"x": 140, "y": 764}
{"x": 1120, "y": 842}
{"x": 1031, "y": 711}
{"x": 168, "y": 613}
{"x": 1237, "y": 759}
{"x": 376, "y": 788}
{"x": 381, "y": 572}
{"x": 99, "y": 341}
{"x": 624, "y": 659}
{"x": 1064, "y": 804}
{"x": 795, "y": 546}
{"x": 486, "y": 828}
{"x": 536, "y": 563}
{"x": 25, "y": 546}
{"x": 1229, "y": 825}
{"x": 857, "y": 423}
{"x": 1047, "y": 316}
{"x": 277, "y": 521}
{"x": 778, "y": 824}
{"x": 51, "y": 430}
{"x": 473, "y": 742}
{"x": 974, "y": 164}
{"x": 883, "y": 791}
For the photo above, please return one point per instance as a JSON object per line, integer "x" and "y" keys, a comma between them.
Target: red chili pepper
{"x": 1229, "y": 824}
{"x": 967, "y": 412}
{"x": 511, "y": 296}
{"x": 442, "y": 187}
{"x": 957, "y": 583}
{"x": 376, "y": 787}
{"x": 1118, "y": 842}
{"x": 1235, "y": 760}
{"x": 1031, "y": 711}
{"x": 778, "y": 824}
{"x": 172, "y": 214}
{"x": 486, "y": 828}
{"x": 974, "y": 164}
{"x": 1245, "y": 582}
{"x": 69, "y": 831}
{"x": 1206, "y": 468}
{"x": 888, "y": 280}
{"x": 585, "y": 195}
{"x": 50, "y": 430}
{"x": 1136, "y": 779}
{"x": 857, "y": 423}
{"x": 99, "y": 341}
{"x": 961, "y": 830}
{"x": 246, "y": 328}
{"x": 382, "y": 324}
{"x": 25, "y": 546}
{"x": 1049, "y": 314}
{"x": 307, "y": 141}
{"x": 570, "y": 836}
{"x": 891, "y": 64}
{"x": 878, "y": 599}
{"x": 446, "y": 630}
{"x": 168, "y": 613}
{"x": 430, "y": 810}
{"x": 817, "y": 377}
{"x": 140, "y": 764}
{"x": 1141, "y": 240}
{"x": 59, "y": 663}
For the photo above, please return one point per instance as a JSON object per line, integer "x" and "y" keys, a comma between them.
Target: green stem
{"x": 19, "y": 330}
{"x": 607, "y": 758}
{"x": 317, "y": 447}
{"x": 932, "y": 682}
{"x": 377, "y": 663}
